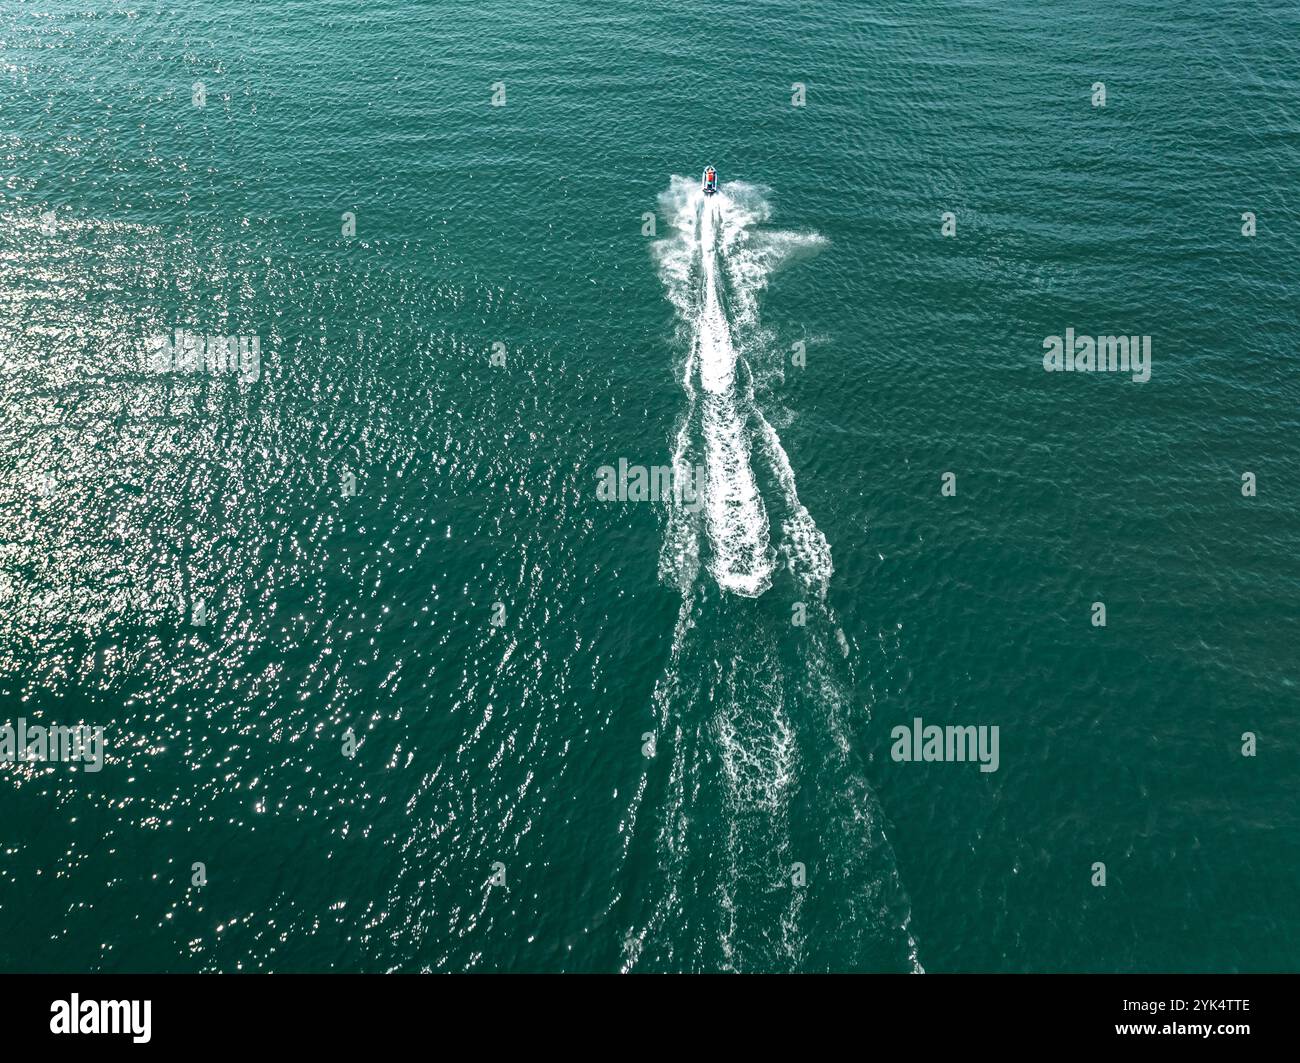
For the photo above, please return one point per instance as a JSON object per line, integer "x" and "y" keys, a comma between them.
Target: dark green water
{"x": 515, "y": 750}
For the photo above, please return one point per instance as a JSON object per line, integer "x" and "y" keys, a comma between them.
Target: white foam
{"x": 806, "y": 551}
{"x": 714, "y": 264}
{"x": 740, "y": 556}
{"x": 741, "y": 559}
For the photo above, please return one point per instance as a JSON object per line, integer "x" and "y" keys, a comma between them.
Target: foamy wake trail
{"x": 804, "y": 547}
{"x": 740, "y": 559}
{"x": 715, "y": 262}
{"x": 751, "y": 718}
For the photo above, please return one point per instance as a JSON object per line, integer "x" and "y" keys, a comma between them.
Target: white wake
{"x": 714, "y": 264}
{"x": 752, "y": 711}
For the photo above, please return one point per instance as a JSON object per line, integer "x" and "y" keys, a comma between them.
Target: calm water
{"x": 500, "y": 811}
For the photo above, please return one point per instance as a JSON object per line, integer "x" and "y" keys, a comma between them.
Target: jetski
{"x": 710, "y": 180}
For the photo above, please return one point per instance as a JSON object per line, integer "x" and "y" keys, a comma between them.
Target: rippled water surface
{"x": 615, "y": 735}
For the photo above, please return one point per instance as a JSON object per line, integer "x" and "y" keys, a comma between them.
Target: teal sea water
{"x": 500, "y": 811}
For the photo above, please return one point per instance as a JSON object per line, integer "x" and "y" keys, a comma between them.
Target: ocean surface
{"x": 387, "y": 684}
